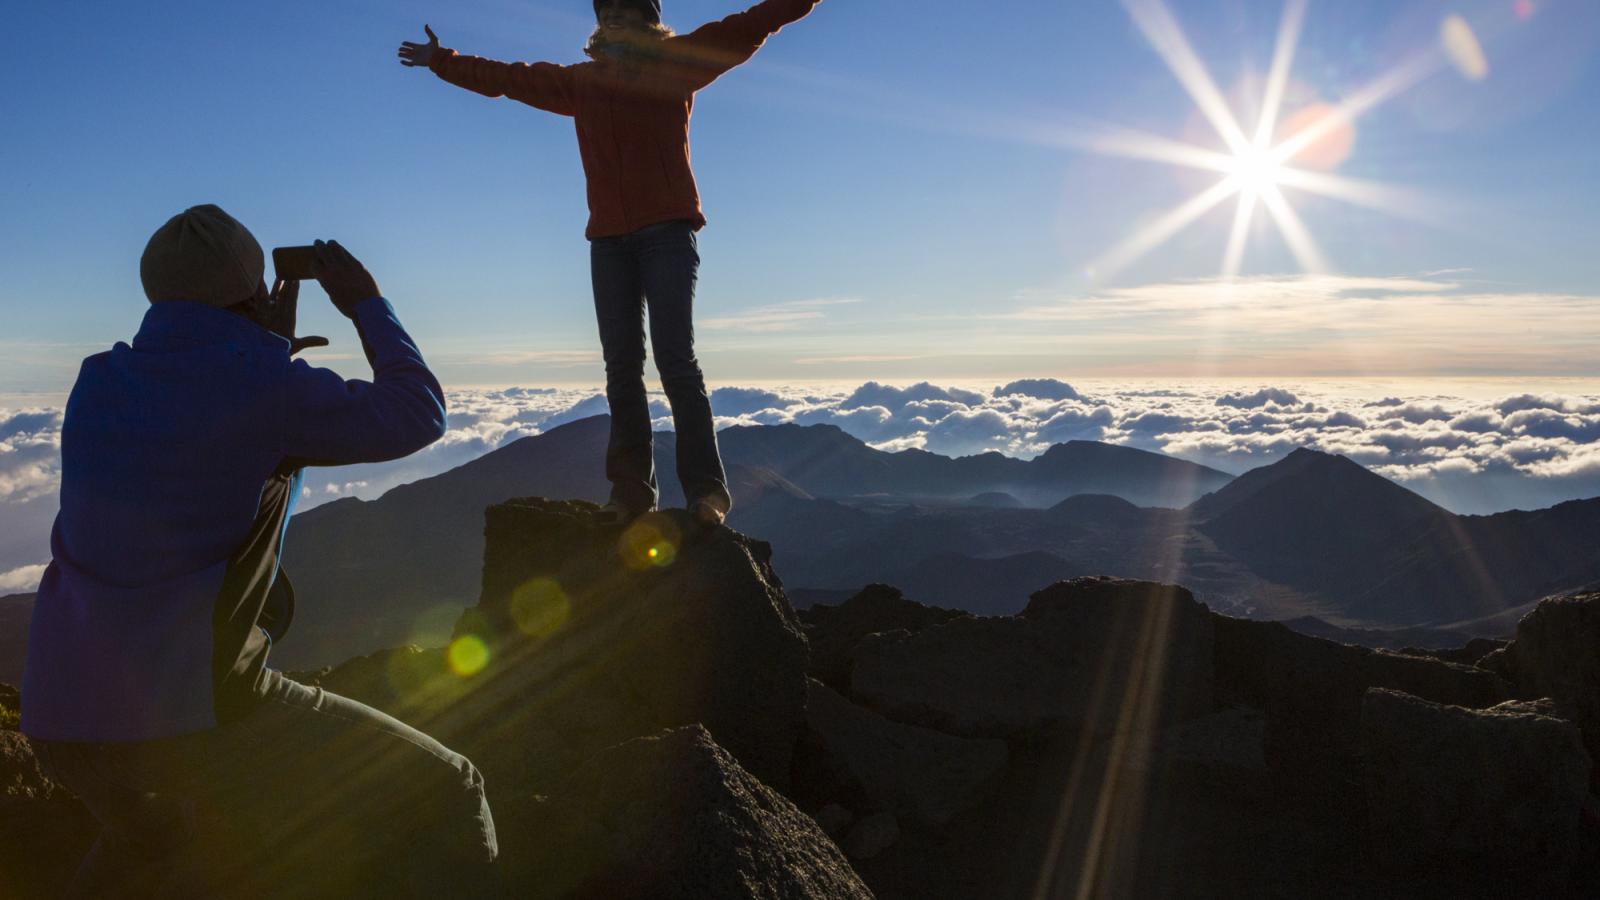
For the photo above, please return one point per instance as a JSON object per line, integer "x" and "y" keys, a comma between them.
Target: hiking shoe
{"x": 708, "y": 511}
{"x": 616, "y": 513}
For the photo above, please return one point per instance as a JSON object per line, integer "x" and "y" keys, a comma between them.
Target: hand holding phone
{"x": 343, "y": 276}
{"x": 294, "y": 263}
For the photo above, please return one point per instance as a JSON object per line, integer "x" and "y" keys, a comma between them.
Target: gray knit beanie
{"x": 202, "y": 254}
{"x": 650, "y": 8}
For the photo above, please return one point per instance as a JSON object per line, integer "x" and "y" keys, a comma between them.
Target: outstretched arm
{"x": 543, "y": 85}
{"x": 718, "y": 46}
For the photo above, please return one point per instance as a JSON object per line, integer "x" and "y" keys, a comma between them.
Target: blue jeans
{"x": 308, "y": 795}
{"x": 655, "y": 266}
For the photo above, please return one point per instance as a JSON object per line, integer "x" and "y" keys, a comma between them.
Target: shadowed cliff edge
{"x": 654, "y": 720}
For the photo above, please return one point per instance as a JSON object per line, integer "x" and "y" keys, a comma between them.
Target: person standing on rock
{"x": 631, "y": 102}
{"x": 146, "y": 690}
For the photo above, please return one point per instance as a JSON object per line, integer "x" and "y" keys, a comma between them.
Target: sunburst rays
{"x": 1256, "y": 165}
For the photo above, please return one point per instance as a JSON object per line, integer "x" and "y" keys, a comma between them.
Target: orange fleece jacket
{"x": 633, "y": 127}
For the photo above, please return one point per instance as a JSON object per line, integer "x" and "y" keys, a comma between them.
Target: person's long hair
{"x": 597, "y": 45}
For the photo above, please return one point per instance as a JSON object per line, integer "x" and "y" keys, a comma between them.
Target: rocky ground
{"x": 654, "y": 720}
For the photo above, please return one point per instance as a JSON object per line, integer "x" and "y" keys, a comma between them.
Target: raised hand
{"x": 414, "y": 54}
{"x": 282, "y": 310}
{"x": 343, "y": 276}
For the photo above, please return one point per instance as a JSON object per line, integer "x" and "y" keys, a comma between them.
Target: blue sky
{"x": 895, "y": 190}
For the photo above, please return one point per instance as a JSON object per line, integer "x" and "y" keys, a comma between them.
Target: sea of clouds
{"x": 1473, "y": 456}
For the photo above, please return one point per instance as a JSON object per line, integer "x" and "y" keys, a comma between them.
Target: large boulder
{"x": 1311, "y": 689}
{"x": 918, "y": 773}
{"x": 44, "y": 830}
{"x": 1556, "y": 654}
{"x": 671, "y": 816}
{"x": 1494, "y": 790}
{"x": 836, "y": 631}
{"x": 1094, "y": 655}
{"x": 588, "y": 634}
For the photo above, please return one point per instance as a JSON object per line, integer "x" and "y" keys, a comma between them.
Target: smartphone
{"x": 294, "y": 263}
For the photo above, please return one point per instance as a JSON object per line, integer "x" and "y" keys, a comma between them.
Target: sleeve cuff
{"x": 440, "y": 57}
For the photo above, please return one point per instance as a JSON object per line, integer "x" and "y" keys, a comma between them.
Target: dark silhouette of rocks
{"x": 1500, "y": 788}
{"x": 833, "y": 632}
{"x": 631, "y": 630}
{"x": 1556, "y": 654}
{"x": 647, "y": 728}
{"x": 44, "y": 831}
{"x": 916, "y": 773}
{"x": 675, "y": 816}
{"x": 1092, "y": 654}
{"x": 1312, "y": 689}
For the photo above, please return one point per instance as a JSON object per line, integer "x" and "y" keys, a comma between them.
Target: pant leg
{"x": 619, "y": 310}
{"x": 315, "y": 795}
{"x": 142, "y": 834}
{"x": 669, "y": 259}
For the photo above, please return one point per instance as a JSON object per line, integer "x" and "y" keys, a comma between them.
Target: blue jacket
{"x": 174, "y": 452}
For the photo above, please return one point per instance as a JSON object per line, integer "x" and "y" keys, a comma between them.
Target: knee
{"x": 625, "y": 369}
{"x": 680, "y": 372}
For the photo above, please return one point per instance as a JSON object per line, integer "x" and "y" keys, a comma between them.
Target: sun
{"x": 1255, "y": 167}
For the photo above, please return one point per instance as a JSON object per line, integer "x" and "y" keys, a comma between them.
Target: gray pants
{"x": 309, "y": 795}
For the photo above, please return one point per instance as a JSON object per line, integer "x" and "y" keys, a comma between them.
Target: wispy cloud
{"x": 790, "y": 316}
{"x": 838, "y": 360}
{"x": 554, "y": 358}
{"x": 1319, "y": 325}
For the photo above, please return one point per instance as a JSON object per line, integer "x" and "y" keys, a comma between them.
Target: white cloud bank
{"x": 1511, "y": 450}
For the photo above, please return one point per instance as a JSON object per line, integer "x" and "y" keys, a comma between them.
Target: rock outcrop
{"x": 589, "y": 634}
{"x": 835, "y": 631}
{"x": 854, "y": 754}
{"x": 1311, "y": 689}
{"x": 44, "y": 831}
{"x": 1500, "y": 789}
{"x": 673, "y": 816}
{"x": 1091, "y": 654}
{"x": 1556, "y": 654}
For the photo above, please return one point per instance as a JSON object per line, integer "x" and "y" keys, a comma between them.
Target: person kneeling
{"x": 146, "y": 690}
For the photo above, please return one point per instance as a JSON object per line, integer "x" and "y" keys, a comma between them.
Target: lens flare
{"x": 540, "y": 607}
{"x": 651, "y": 542}
{"x": 1461, "y": 45}
{"x": 468, "y": 655}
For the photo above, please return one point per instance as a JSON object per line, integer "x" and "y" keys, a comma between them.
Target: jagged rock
{"x": 1311, "y": 689}
{"x": 1556, "y": 654}
{"x": 836, "y": 631}
{"x": 44, "y": 830}
{"x": 1500, "y": 788}
{"x": 922, "y": 774}
{"x": 589, "y": 634}
{"x": 1092, "y": 654}
{"x": 671, "y": 816}
{"x": 872, "y": 835}
{"x": 834, "y": 819}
